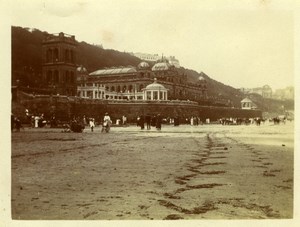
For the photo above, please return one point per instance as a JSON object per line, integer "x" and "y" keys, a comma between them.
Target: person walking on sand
{"x": 92, "y": 124}
{"x": 106, "y": 123}
{"x": 124, "y": 120}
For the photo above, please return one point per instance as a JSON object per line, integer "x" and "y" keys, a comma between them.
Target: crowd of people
{"x": 148, "y": 121}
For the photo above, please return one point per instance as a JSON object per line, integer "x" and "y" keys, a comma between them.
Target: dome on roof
{"x": 143, "y": 65}
{"x": 81, "y": 69}
{"x": 161, "y": 66}
{"x": 155, "y": 86}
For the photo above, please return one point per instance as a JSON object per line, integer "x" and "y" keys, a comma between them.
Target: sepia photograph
{"x": 166, "y": 112}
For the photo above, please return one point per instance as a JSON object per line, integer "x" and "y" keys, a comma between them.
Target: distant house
{"x": 265, "y": 91}
{"x": 248, "y": 104}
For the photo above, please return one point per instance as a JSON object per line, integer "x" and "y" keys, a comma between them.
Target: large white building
{"x": 92, "y": 90}
{"x": 265, "y": 91}
{"x": 284, "y": 94}
{"x": 155, "y": 57}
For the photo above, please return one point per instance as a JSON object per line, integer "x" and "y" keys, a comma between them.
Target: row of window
{"x": 52, "y": 55}
{"x": 90, "y": 94}
{"x": 52, "y": 76}
{"x": 124, "y": 88}
{"x": 155, "y": 95}
{"x": 138, "y": 88}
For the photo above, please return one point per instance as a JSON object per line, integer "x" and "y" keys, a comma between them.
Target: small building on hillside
{"x": 248, "y": 104}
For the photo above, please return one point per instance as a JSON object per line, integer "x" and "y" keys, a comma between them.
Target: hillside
{"x": 27, "y": 56}
{"x": 27, "y": 62}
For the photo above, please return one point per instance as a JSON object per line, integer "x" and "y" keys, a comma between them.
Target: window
{"x": 130, "y": 88}
{"x": 49, "y": 76}
{"x": 148, "y": 95}
{"x": 56, "y": 76}
{"x": 155, "y": 95}
{"x": 89, "y": 94}
{"x": 49, "y": 55}
{"x": 67, "y": 76}
{"x": 141, "y": 87}
{"x": 161, "y": 95}
{"x": 72, "y": 79}
{"x": 67, "y": 55}
{"x": 55, "y": 54}
{"x": 72, "y": 56}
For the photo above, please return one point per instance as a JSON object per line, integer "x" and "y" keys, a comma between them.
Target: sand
{"x": 185, "y": 172}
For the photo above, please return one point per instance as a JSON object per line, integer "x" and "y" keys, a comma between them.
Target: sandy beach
{"x": 185, "y": 172}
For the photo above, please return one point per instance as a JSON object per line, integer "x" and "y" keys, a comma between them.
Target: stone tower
{"x": 59, "y": 64}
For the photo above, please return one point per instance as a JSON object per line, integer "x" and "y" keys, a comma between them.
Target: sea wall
{"x": 66, "y": 108}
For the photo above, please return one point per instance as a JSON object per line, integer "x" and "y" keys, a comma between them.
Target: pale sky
{"x": 239, "y": 43}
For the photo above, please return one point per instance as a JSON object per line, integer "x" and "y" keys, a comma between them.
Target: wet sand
{"x": 185, "y": 172}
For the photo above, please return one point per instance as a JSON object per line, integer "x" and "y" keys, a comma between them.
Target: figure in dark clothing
{"x": 176, "y": 121}
{"x": 148, "y": 121}
{"x": 153, "y": 121}
{"x": 142, "y": 122}
{"x": 158, "y": 122}
{"x": 18, "y": 124}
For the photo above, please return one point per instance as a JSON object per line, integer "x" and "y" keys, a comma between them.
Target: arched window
{"x": 141, "y": 87}
{"x": 67, "y": 55}
{"x": 56, "y": 76}
{"x": 67, "y": 77}
{"x": 119, "y": 88}
{"x": 130, "y": 88}
{"x": 124, "y": 88}
{"x": 72, "y": 79}
{"x": 112, "y": 88}
{"x": 49, "y": 55}
{"x": 49, "y": 76}
{"x": 72, "y": 56}
{"x": 55, "y": 55}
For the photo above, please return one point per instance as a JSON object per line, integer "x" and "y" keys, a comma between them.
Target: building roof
{"x": 112, "y": 71}
{"x": 247, "y": 100}
{"x": 161, "y": 66}
{"x": 143, "y": 65}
